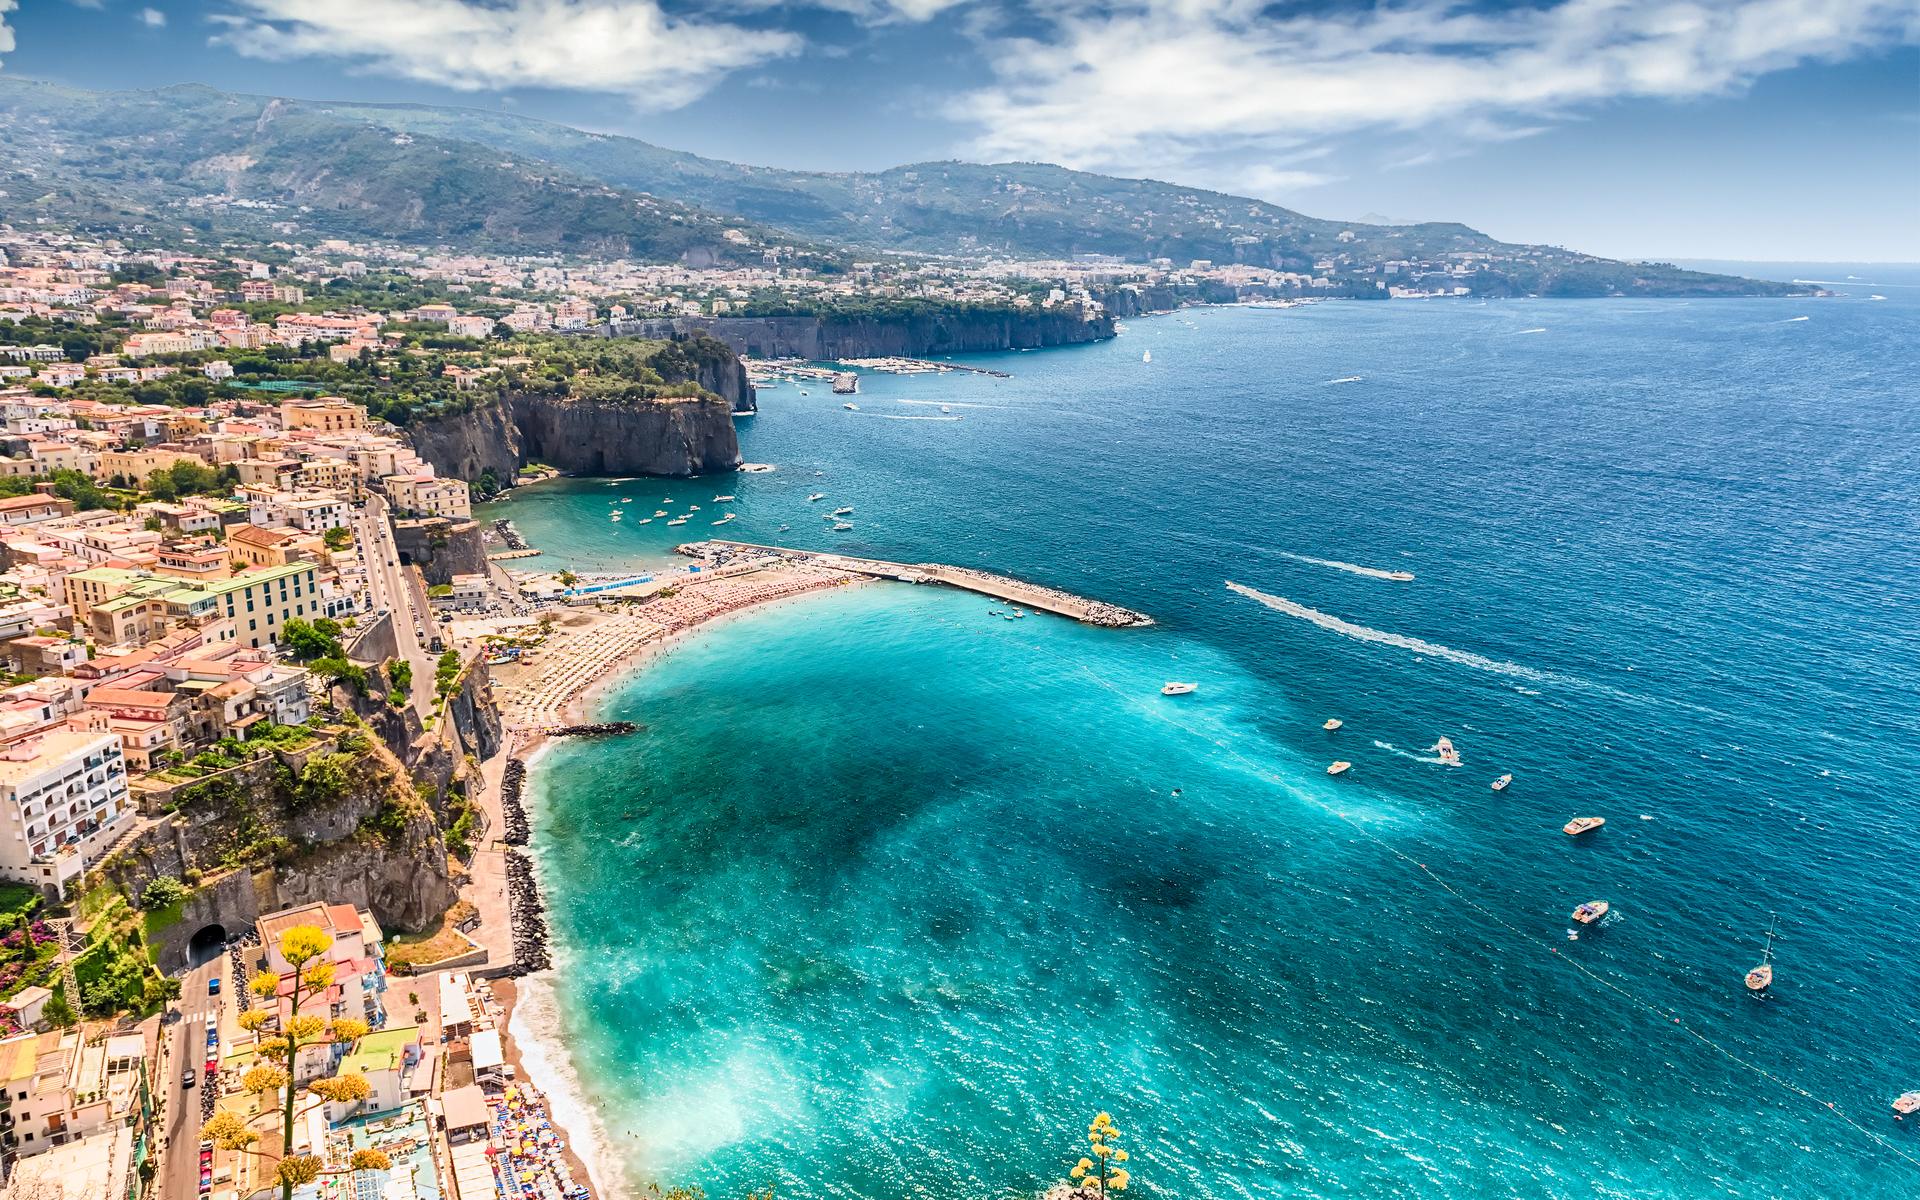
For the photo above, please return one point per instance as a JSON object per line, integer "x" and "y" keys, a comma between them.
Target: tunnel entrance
{"x": 206, "y": 945}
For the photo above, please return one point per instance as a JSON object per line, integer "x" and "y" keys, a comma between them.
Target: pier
{"x": 985, "y": 583}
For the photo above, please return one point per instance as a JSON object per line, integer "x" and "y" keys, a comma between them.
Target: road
{"x": 186, "y": 1046}
{"x": 395, "y": 591}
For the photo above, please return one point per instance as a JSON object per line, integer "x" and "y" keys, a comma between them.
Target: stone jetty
{"x": 1040, "y": 598}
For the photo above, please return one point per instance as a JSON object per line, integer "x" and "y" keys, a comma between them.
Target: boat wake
{"x": 1542, "y": 329}
{"x": 905, "y": 417}
{"x": 1362, "y": 633}
{"x": 952, "y": 404}
{"x": 1346, "y": 379}
{"x": 1791, "y": 320}
{"x": 1434, "y": 759}
{"x": 1350, "y": 568}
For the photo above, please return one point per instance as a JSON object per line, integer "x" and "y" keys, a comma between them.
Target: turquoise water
{"x": 892, "y": 894}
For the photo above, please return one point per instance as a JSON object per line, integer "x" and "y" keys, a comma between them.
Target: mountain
{"x": 494, "y": 180}
{"x": 209, "y": 159}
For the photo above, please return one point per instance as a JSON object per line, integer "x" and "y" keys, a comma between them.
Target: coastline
{"x": 532, "y": 1037}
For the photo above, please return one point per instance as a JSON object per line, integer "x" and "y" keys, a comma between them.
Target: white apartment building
{"x": 63, "y": 803}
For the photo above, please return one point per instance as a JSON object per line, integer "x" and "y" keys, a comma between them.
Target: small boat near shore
{"x": 1906, "y": 1105}
{"x": 1580, "y": 825}
{"x": 1332, "y": 723}
{"x": 841, "y": 527}
{"x": 660, "y": 512}
{"x": 816, "y": 496}
{"x": 1500, "y": 784}
{"x": 1591, "y": 911}
{"x": 851, "y": 407}
{"x": 678, "y": 521}
{"x": 843, "y": 510}
{"x": 1178, "y": 689}
{"x": 724, "y": 499}
{"x": 1339, "y": 767}
{"x": 724, "y": 520}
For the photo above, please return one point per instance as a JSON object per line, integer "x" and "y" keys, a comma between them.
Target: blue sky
{"x": 1756, "y": 129}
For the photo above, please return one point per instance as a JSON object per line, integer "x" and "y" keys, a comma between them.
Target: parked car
{"x": 187, "y": 1079}
{"x": 213, "y": 1065}
{"x": 213, "y": 986}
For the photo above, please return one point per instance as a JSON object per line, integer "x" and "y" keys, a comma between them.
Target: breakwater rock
{"x": 601, "y": 729}
{"x": 530, "y": 949}
{"x": 513, "y": 812}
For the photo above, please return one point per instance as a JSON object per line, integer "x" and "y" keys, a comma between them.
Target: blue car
{"x": 213, "y": 986}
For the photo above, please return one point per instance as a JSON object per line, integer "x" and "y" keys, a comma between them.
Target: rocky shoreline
{"x": 530, "y": 937}
{"x": 515, "y": 828}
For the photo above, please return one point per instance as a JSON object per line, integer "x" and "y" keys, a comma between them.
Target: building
{"x": 328, "y": 414}
{"x": 135, "y": 607}
{"x": 425, "y": 494}
{"x": 251, "y": 545}
{"x": 63, "y": 803}
{"x": 16, "y": 511}
{"x": 386, "y": 1059}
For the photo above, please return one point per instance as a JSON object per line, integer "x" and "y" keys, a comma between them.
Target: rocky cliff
{"x": 625, "y": 436}
{"x": 690, "y": 436}
{"x": 915, "y": 335}
{"x": 340, "y": 821}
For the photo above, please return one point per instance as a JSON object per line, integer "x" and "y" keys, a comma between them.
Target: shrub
{"x": 162, "y": 892}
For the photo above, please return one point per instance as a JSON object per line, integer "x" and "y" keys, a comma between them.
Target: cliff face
{"x": 912, "y": 336}
{"x": 599, "y": 437}
{"x": 588, "y": 437}
{"x": 333, "y": 822}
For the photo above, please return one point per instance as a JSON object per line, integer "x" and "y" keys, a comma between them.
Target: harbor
{"x": 719, "y": 553}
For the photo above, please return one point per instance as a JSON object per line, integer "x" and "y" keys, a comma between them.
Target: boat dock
{"x": 1000, "y": 587}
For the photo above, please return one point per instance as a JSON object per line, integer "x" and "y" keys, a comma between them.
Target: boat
{"x": 1340, "y": 767}
{"x": 1178, "y": 689}
{"x": 1906, "y": 1105}
{"x": 843, "y": 510}
{"x": 1591, "y": 911}
{"x": 945, "y": 409}
{"x": 1332, "y": 723}
{"x": 1146, "y": 356}
{"x": 1500, "y": 784}
{"x": 628, "y": 500}
{"x": 1761, "y": 977}
{"x": 841, "y": 527}
{"x": 644, "y": 521}
{"x": 693, "y": 508}
{"x": 724, "y": 520}
{"x": 1448, "y": 755}
{"x": 678, "y": 521}
{"x": 816, "y": 496}
{"x": 851, "y": 407}
{"x": 723, "y": 499}
{"x": 1580, "y": 825}
{"x": 660, "y": 512}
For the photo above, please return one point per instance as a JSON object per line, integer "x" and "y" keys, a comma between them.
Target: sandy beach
{"x": 591, "y": 652}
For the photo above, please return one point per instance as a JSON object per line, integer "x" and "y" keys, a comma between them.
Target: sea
{"x": 892, "y": 893}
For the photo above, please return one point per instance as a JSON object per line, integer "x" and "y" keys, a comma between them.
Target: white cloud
{"x": 1153, "y": 85}
{"x": 6, "y": 31}
{"x": 629, "y": 47}
{"x": 152, "y": 18}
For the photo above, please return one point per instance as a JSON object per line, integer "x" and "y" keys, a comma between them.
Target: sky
{"x": 1649, "y": 129}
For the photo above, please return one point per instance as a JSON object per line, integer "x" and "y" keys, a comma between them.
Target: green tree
{"x": 309, "y": 640}
{"x": 337, "y": 538}
{"x": 163, "y": 891}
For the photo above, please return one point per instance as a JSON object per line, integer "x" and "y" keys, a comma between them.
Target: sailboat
{"x": 1146, "y": 356}
{"x": 1761, "y": 977}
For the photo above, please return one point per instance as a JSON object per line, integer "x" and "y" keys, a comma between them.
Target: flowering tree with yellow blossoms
{"x": 1101, "y": 1172}
{"x": 304, "y": 947}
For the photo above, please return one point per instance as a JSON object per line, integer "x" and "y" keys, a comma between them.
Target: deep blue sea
{"x": 893, "y": 894}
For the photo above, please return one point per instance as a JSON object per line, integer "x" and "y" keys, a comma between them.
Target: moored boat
{"x": 1580, "y": 825}
{"x": 1591, "y": 911}
{"x": 816, "y": 496}
{"x": 1339, "y": 767}
{"x": 1178, "y": 689}
{"x": 1500, "y": 784}
{"x": 1332, "y": 723}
